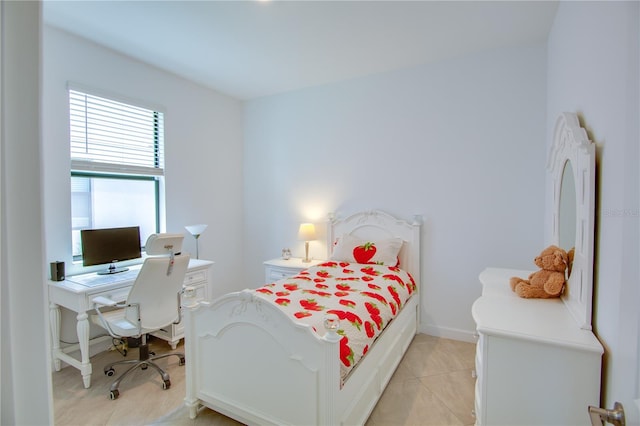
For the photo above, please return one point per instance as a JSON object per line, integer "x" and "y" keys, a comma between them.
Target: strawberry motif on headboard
{"x": 364, "y": 253}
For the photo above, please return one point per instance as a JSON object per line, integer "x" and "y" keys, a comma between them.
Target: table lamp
{"x": 306, "y": 233}
{"x": 196, "y": 231}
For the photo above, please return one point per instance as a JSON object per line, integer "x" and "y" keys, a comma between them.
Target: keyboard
{"x": 95, "y": 280}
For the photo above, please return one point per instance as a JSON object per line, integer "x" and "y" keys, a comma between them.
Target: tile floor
{"x": 432, "y": 386}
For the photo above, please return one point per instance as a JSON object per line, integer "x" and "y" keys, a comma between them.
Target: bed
{"x": 249, "y": 360}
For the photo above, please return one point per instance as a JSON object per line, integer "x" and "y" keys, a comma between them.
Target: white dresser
{"x": 534, "y": 364}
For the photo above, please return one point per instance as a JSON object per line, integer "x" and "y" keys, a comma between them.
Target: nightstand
{"x": 277, "y": 269}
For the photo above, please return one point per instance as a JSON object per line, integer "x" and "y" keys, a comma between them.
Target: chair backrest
{"x": 163, "y": 244}
{"x": 157, "y": 287}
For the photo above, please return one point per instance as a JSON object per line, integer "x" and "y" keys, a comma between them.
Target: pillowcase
{"x": 355, "y": 250}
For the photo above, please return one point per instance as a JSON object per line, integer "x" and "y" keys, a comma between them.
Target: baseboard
{"x": 449, "y": 333}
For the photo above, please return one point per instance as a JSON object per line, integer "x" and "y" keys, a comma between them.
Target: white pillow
{"x": 356, "y": 250}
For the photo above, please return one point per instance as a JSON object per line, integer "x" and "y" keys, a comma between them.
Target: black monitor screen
{"x": 110, "y": 245}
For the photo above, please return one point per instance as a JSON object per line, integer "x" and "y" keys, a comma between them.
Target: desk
{"x": 76, "y": 292}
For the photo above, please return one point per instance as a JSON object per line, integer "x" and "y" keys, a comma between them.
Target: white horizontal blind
{"x": 113, "y": 137}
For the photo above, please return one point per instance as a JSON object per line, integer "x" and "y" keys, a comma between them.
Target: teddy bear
{"x": 549, "y": 281}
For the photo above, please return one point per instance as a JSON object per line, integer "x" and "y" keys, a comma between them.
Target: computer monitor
{"x": 110, "y": 245}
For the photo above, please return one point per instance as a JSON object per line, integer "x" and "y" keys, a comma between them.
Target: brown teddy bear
{"x": 549, "y": 280}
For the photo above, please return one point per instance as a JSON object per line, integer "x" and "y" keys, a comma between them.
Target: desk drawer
{"x": 118, "y": 295}
{"x": 199, "y": 292}
{"x": 194, "y": 277}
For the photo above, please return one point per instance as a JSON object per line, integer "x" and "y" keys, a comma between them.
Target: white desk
{"x": 76, "y": 292}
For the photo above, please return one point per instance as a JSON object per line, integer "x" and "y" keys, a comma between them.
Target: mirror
{"x": 567, "y": 211}
{"x": 572, "y": 167}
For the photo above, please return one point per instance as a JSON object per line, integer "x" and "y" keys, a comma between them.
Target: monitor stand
{"x": 112, "y": 270}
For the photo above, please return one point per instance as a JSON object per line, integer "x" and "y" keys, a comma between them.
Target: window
{"x": 117, "y": 165}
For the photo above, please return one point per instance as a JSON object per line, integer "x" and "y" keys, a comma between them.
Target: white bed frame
{"x": 247, "y": 360}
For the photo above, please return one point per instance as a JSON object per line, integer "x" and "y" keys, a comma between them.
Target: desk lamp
{"x": 196, "y": 231}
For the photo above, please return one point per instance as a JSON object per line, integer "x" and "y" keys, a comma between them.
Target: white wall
{"x": 593, "y": 69}
{"x": 26, "y": 380}
{"x": 460, "y": 142}
{"x": 203, "y": 146}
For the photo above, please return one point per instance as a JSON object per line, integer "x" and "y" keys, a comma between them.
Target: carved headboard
{"x": 375, "y": 224}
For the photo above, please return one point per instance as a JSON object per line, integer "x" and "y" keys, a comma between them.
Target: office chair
{"x": 153, "y": 303}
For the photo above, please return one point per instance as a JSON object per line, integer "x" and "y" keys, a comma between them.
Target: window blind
{"x": 108, "y": 136}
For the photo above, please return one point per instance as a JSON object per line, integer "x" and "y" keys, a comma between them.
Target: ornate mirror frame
{"x": 573, "y": 151}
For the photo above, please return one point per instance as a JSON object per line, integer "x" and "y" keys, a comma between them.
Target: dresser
{"x": 534, "y": 364}
{"x": 277, "y": 269}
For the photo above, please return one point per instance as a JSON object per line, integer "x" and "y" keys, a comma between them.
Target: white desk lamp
{"x": 196, "y": 231}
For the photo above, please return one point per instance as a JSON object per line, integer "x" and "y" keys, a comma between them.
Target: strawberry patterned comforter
{"x": 365, "y": 298}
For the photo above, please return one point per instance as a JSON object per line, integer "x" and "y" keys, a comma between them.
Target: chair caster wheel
{"x": 166, "y": 384}
{"x": 114, "y": 394}
{"x": 124, "y": 352}
{"x": 144, "y": 366}
{"x": 181, "y": 361}
{"x": 110, "y": 372}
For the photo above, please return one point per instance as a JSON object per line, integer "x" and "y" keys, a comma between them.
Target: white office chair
{"x": 153, "y": 303}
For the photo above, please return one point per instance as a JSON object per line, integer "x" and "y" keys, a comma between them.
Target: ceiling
{"x": 248, "y": 49}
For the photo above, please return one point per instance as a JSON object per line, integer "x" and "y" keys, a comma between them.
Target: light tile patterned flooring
{"x": 432, "y": 386}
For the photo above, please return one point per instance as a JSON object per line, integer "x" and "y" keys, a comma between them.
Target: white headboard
{"x": 376, "y": 225}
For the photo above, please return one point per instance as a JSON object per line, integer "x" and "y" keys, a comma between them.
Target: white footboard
{"x": 246, "y": 359}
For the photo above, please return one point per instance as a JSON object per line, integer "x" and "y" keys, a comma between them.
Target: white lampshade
{"x": 196, "y": 230}
{"x": 307, "y": 232}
